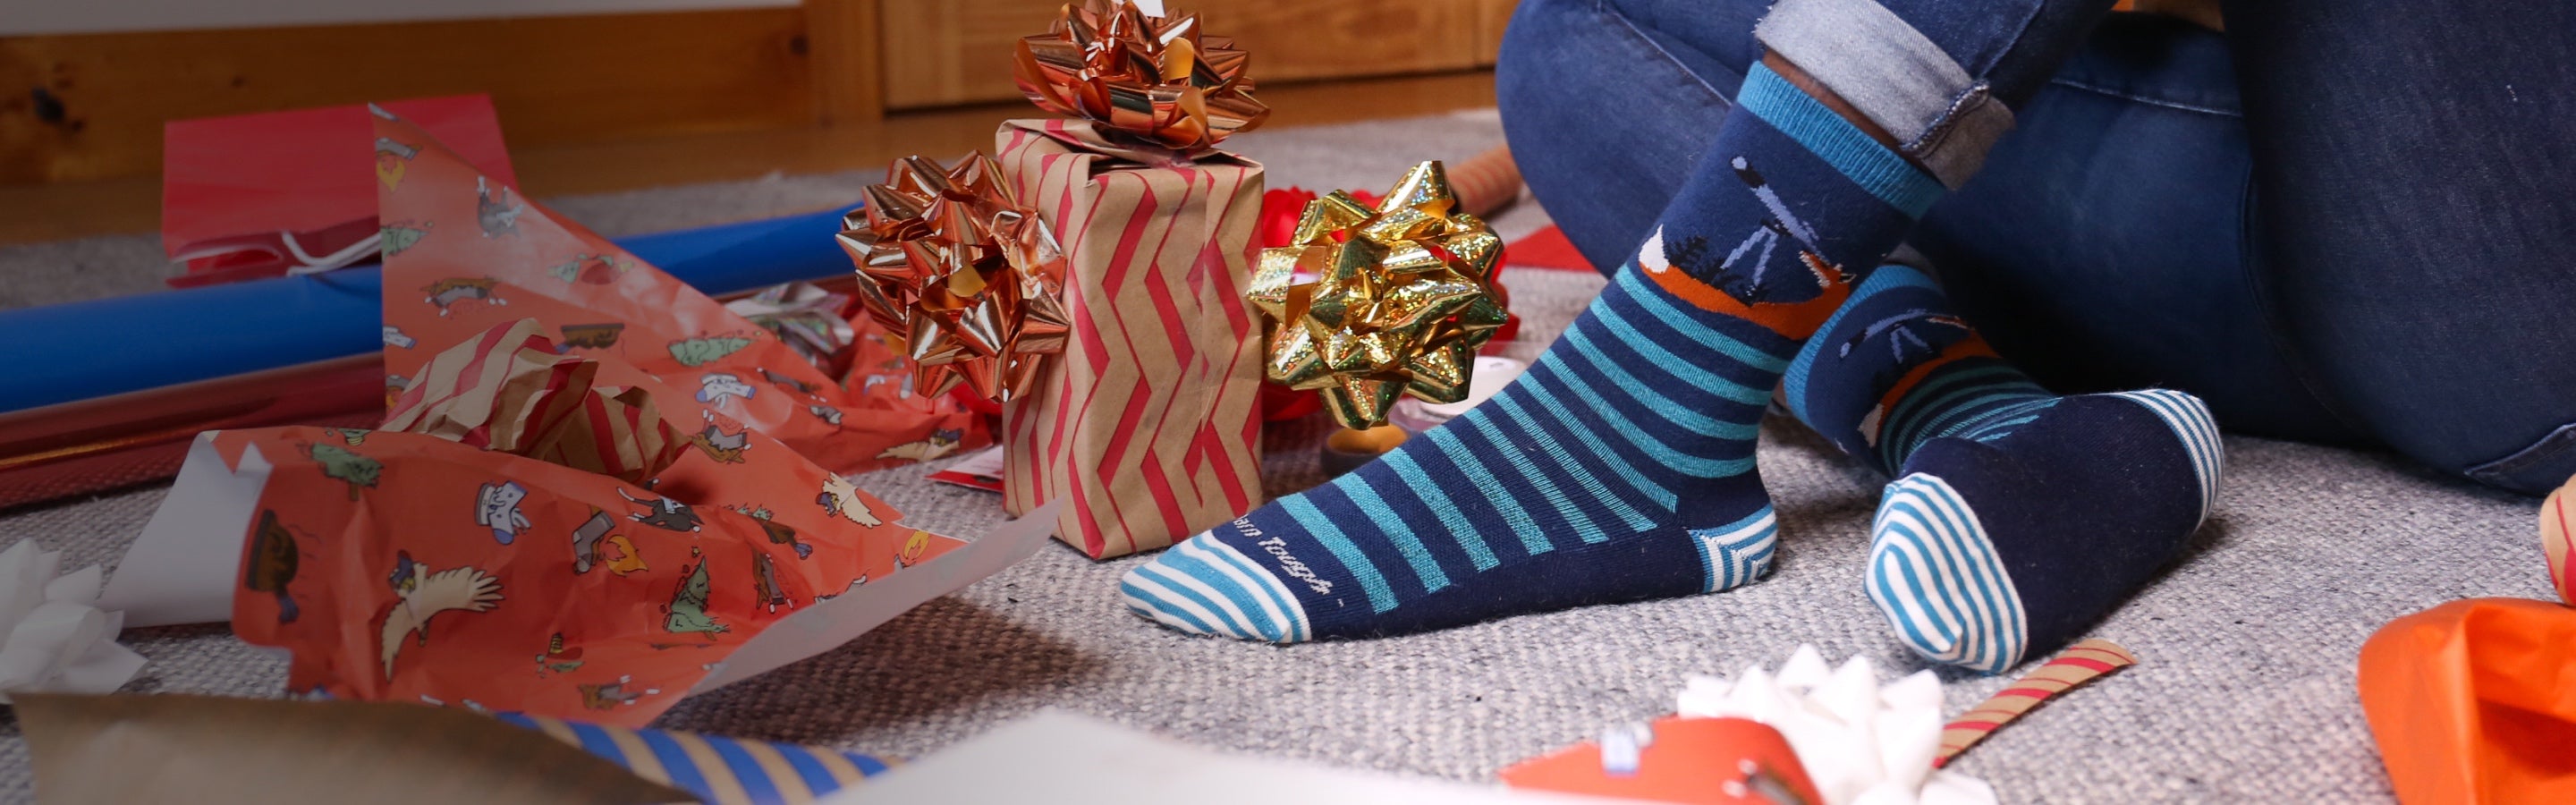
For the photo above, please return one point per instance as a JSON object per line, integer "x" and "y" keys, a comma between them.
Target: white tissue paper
{"x": 57, "y": 640}
{"x": 1862, "y": 743}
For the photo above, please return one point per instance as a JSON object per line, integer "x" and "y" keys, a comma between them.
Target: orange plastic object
{"x": 1688, "y": 760}
{"x": 2475, "y": 701}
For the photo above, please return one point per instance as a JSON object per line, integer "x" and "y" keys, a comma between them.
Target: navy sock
{"x": 2018, "y": 518}
{"x": 1620, "y": 467}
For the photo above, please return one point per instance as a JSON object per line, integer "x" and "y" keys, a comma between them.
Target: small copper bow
{"x": 971, "y": 278}
{"x": 1376, "y": 303}
{"x": 1154, "y": 77}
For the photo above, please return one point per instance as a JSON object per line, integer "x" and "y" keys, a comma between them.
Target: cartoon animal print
{"x": 393, "y": 238}
{"x": 589, "y": 269}
{"x": 913, "y": 547}
{"x": 558, "y": 658}
{"x": 721, "y": 446}
{"x": 696, "y": 352}
{"x": 940, "y": 443}
{"x": 902, "y": 384}
{"x": 394, "y": 386}
{"x": 496, "y": 506}
{"x": 273, "y": 558}
{"x": 394, "y": 337}
{"x": 664, "y": 513}
{"x": 590, "y": 336}
{"x": 592, "y": 544}
{"x": 830, "y": 415}
{"x": 1748, "y": 273}
{"x": 608, "y": 696}
{"x": 788, "y": 383}
{"x": 780, "y": 534}
{"x": 498, "y": 215}
{"x": 585, "y": 540}
{"x": 447, "y": 292}
{"x": 340, "y": 464}
{"x": 688, "y": 610}
{"x": 424, "y": 595}
{"x": 765, "y": 583}
{"x": 717, "y": 387}
{"x": 392, "y": 159}
{"x": 840, "y": 497}
{"x": 354, "y": 436}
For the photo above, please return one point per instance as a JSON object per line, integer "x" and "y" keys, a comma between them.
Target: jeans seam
{"x": 2548, "y": 446}
{"x": 2136, "y": 98}
{"x": 1612, "y": 11}
{"x": 2249, "y": 250}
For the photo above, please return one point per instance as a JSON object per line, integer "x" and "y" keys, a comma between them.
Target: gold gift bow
{"x": 1373, "y": 304}
{"x": 1157, "y": 78}
{"x": 972, "y": 279}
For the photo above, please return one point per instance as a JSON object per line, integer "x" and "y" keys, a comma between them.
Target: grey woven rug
{"x": 2244, "y": 691}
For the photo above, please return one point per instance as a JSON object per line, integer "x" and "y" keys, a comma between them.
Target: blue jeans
{"x": 2343, "y": 221}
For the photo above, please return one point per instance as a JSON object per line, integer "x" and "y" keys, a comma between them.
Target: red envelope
{"x": 253, "y": 196}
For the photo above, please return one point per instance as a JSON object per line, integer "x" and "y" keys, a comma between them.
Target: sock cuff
{"x": 1825, "y": 133}
{"x": 1886, "y": 278}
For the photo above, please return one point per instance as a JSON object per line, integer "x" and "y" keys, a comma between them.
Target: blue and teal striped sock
{"x": 2018, "y": 518}
{"x": 1620, "y": 467}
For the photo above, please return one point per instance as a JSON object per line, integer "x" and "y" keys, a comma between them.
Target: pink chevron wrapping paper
{"x": 1149, "y": 424}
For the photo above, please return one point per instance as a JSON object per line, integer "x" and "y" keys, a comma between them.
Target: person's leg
{"x": 2411, "y": 167}
{"x": 1608, "y": 104}
{"x": 2107, "y": 245}
{"x": 2017, "y": 518}
{"x": 1620, "y": 467}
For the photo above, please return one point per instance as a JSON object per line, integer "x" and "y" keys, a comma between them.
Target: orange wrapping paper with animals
{"x": 463, "y": 254}
{"x": 542, "y": 539}
{"x": 1148, "y": 425}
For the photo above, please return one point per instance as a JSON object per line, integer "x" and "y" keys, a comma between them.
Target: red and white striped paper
{"x": 1148, "y": 426}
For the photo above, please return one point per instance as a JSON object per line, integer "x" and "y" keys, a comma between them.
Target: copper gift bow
{"x": 972, "y": 279}
{"x": 1374, "y": 304}
{"x": 1155, "y": 77}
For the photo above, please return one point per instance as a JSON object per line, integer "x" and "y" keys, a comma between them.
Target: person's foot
{"x": 1620, "y": 467}
{"x": 2017, "y": 531}
{"x": 1613, "y": 470}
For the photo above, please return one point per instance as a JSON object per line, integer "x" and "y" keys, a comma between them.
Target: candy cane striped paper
{"x": 1149, "y": 424}
{"x": 2072, "y": 667}
{"x": 2556, "y": 544}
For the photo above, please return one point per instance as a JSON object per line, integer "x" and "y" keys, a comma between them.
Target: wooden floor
{"x": 55, "y": 212}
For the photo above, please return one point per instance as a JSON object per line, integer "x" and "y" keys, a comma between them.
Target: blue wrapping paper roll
{"x": 110, "y": 346}
{"x": 721, "y": 771}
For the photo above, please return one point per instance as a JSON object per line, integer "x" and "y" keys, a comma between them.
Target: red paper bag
{"x": 253, "y": 196}
{"x": 1148, "y": 425}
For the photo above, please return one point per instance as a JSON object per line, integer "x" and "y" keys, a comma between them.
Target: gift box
{"x": 1148, "y": 426}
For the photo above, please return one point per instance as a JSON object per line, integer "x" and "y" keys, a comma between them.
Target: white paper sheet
{"x": 1060, "y": 758}
{"x": 182, "y": 568}
{"x": 830, "y": 624}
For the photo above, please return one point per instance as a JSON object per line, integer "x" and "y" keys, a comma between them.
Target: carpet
{"x": 2244, "y": 690}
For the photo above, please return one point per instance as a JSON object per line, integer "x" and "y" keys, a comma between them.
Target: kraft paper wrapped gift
{"x": 1148, "y": 425}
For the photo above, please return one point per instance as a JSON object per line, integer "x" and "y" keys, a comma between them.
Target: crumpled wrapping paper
{"x": 464, "y": 254}
{"x": 543, "y": 539}
{"x": 53, "y": 637}
{"x": 2475, "y": 701}
{"x": 1863, "y": 743}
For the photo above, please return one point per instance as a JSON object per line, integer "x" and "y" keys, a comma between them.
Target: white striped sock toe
{"x": 1937, "y": 578}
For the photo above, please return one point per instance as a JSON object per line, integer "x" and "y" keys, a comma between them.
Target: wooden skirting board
{"x": 84, "y": 107}
{"x": 87, "y": 107}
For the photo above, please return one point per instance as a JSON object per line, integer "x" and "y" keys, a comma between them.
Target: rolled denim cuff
{"x": 1942, "y": 118}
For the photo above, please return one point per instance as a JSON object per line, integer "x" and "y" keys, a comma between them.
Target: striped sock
{"x": 2018, "y": 518}
{"x": 1620, "y": 467}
